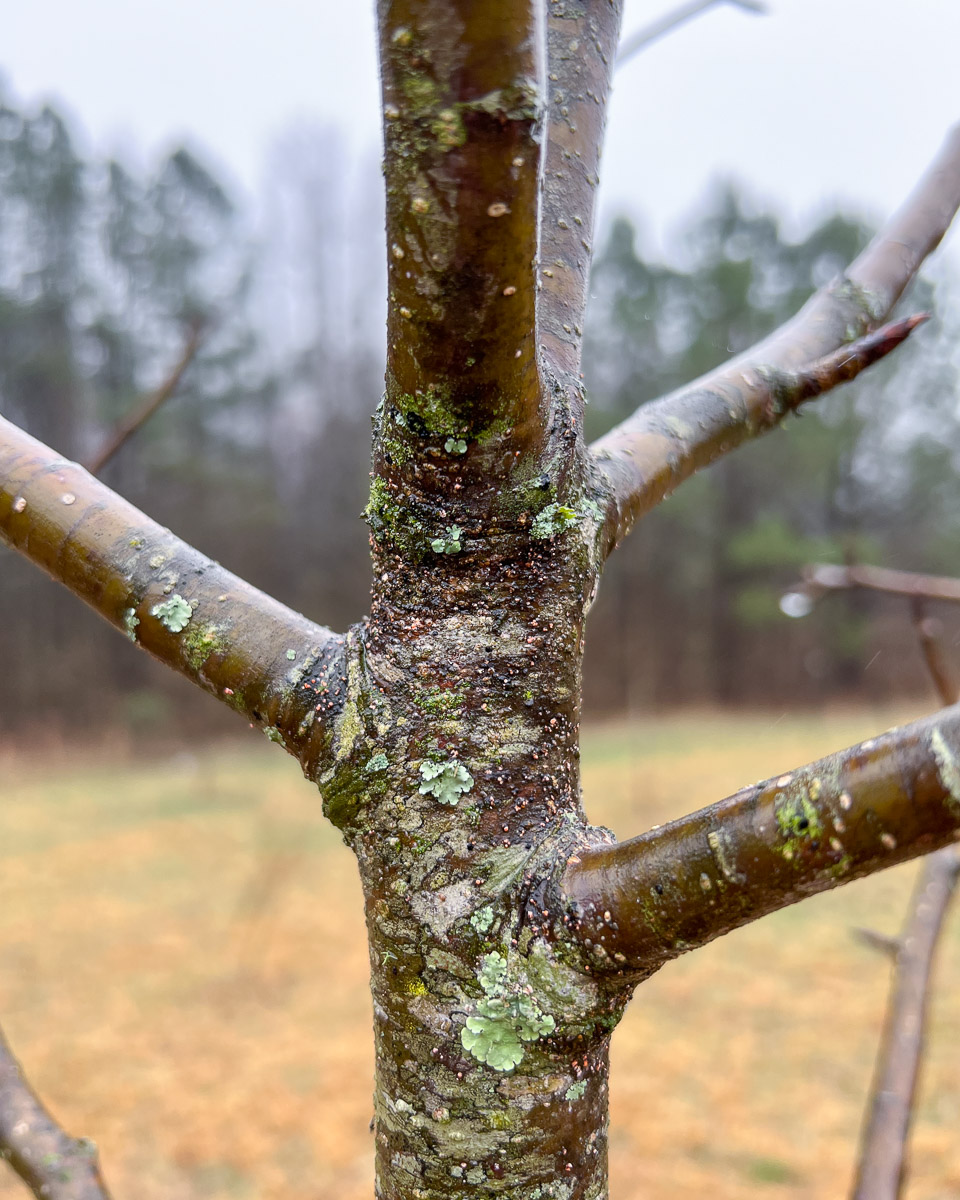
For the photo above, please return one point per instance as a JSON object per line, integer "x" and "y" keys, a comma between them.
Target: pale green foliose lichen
{"x": 455, "y": 446}
{"x": 273, "y": 734}
{"x": 130, "y": 623}
{"x": 482, "y": 919}
{"x": 447, "y": 781}
{"x": 450, "y": 543}
{"x": 575, "y": 1090}
{"x": 553, "y": 520}
{"x": 506, "y": 1017}
{"x": 379, "y": 762}
{"x": 174, "y": 614}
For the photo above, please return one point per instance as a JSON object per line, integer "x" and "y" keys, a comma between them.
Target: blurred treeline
{"x": 261, "y": 459}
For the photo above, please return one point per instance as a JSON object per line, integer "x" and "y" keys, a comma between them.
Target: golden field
{"x": 183, "y": 974}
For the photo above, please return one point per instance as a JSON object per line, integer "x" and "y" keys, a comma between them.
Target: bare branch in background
{"x": 641, "y": 38}
{"x": 52, "y": 1164}
{"x": 882, "y": 1163}
{"x": 138, "y": 416}
{"x": 664, "y": 442}
{"x": 818, "y": 578}
{"x": 928, "y": 635}
{"x": 881, "y": 1169}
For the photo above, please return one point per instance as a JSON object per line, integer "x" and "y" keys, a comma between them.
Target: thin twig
{"x": 928, "y": 631}
{"x": 138, "y": 416}
{"x": 881, "y": 1169}
{"x": 827, "y": 577}
{"x": 52, "y": 1164}
{"x": 642, "y": 38}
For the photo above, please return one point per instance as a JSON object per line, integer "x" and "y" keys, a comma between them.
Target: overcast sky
{"x": 820, "y": 101}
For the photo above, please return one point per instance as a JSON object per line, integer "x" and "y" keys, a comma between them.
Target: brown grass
{"x": 183, "y": 973}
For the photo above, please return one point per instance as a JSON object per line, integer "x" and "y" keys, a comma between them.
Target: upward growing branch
{"x": 462, "y": 133}
{"x": 665, "y": 441}
{"x": 581, "y": 51}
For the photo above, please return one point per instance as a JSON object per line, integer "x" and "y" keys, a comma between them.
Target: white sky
{"x": 822, "y": 100}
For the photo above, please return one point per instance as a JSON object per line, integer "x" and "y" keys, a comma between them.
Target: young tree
{"x": 506, "y": 933}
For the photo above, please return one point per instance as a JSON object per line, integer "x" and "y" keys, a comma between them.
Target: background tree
{"x": 506, "y": 933}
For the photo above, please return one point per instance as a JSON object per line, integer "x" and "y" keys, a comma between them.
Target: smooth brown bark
{"x": 463, "y": 131}
{"x": 640, "y": 903}
{"x": 52, "y": 1164}
{"x": 645, "y": 457}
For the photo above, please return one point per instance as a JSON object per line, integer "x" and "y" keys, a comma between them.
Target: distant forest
{"x": 261, "y": 457}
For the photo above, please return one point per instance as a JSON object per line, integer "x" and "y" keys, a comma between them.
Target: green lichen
{"x": 482, "y": 919}
{"x": 947, "y": 767}
{"x": 576, "y": 1090}
{"x": 379, "y": 762}
{"x": 455, "y": 446}
{"x": 446, "y": 781}
{"x": 440, "y": 702}
{"x": 130, "y": 623}
{"x": 505, "y": 1018}
{"x": 450, "y": 543}
{"x": 449, "y": 129}
{"x": 798, "y": 820}
{"x": 273, "y": 734}
{"x": 553, "y": 520}
{"x": 291, "y": 655}
{"x": 174, "y": 614}
{"x": 200, "y": 641}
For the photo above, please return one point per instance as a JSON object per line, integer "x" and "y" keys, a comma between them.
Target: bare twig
{"x": 881, "y": 1169}
{"x": 928, "y": 631}
{"x": 138, "y": 416}
{"x": 641, "y": 38}
{"x": 52, "y": 1164}
{"x": 881, "y": 942}
{"x": 827, "y": 577}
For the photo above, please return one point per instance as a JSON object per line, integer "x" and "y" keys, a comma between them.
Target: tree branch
{"x": 463, "y": 114}
{"x": 52, "y": 1164}
{"x": 581, "y": 50}
{"x": 881, "y": 1168}
{"x": 826, "y": 577}
{"x": 894, "y": 797}
{"x": 641, "y": 38}
{"x": 138, "y": 416}
{"x": 226, "y": 636}
{"x": 664, "y": 442}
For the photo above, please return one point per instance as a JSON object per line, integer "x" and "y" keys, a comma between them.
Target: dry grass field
{"x": 183, "y": 973}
